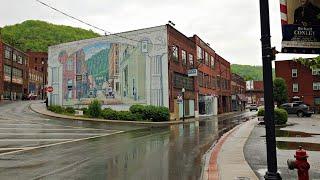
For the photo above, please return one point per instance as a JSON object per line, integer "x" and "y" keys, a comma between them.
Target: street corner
{"x": 300, "y": 131}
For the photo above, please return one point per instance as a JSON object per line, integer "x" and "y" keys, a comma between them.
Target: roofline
{"x": 103, "y": 36}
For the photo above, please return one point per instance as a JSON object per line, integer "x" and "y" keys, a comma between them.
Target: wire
{"x": 107, "y": 33}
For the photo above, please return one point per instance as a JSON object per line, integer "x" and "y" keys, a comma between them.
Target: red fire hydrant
{"x": 301, "y": 164}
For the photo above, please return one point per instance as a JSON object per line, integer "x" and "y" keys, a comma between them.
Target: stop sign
{"x": 49, "y": 89}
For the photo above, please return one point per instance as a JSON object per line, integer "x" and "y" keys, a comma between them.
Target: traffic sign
{"x": 49, "y": 89}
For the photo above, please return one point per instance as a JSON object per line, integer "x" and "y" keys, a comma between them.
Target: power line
{"x": 88, "y": 24}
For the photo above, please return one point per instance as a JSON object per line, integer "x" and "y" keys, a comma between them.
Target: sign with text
{"x": 192, "y": 72}
{"x": 300, "y": 21}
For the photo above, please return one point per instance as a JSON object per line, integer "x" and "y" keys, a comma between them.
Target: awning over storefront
{"x": 242, "y": 97}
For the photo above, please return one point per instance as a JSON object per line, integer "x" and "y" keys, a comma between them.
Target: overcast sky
{"x": 232, "y": 27}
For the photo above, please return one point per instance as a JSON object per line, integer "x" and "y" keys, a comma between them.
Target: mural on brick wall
{"x": 113, "y": 71}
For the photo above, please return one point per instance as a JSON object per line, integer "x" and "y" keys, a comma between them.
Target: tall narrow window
{"x": 212, "y": 62}
{"x": 175, "y": 53}
{"x": 184, "y": 57}
{"x": 294, "y": 73}
{"x": 206, "y": 57}
{"x": 190, "y": 59}
{"x": 199, "y": 54}
{"x": 295, "y": 87}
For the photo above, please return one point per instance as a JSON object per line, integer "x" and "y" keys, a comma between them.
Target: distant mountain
{"x": 248, "y": 72}
{"x": 38, "y": 35}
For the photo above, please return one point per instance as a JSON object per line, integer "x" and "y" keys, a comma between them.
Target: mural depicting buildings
{"x": 112, "y": 69}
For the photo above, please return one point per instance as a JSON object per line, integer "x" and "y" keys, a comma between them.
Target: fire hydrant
{"x": 301, "y": 164}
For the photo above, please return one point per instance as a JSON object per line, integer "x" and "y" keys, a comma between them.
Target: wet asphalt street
{"x": 38, "y": 147}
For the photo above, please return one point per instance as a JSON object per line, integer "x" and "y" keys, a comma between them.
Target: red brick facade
{"x": 304, "y": 80}
{"x": 38, "y": 64}
{"x": 213, "y": 79}
{"x": 10, "y": 55}
{"x": 178, "y": 69}
{"x": 256, "y": 95}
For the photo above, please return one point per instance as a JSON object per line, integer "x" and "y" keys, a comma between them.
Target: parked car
{"x": 253, "y": 107}
{"x": 300, "y": 109}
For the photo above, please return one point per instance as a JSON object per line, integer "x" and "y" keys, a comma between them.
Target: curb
{"x": 212, "y": 170}
{"x": 118, "y": 122}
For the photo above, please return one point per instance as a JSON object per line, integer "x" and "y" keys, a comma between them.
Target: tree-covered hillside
{"x": 38, "y": 35}
{"x": 248, "y": 72}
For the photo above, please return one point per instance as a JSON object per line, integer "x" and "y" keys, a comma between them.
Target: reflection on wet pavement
{"x": 286, "y": 145}
{"x": 286, "y": 133}
{"x": 174, "y": 152}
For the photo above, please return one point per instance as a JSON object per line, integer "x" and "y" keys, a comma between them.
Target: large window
{"x": 212, "y": 62}
{"x": 206, "y": 57}
{"x": 182, "y": 81}
{"x": 315, "y": 71}
{"x": 317, "y": 101}
{"x": 295, "y": 87}
{"x": 184, "y": 57}
{"x": 294, "y": 72}
{"x": 7, "y": 53}
{"x": 200, "y": 78}
{"x": 175, "y": 53}
{"x": 199, "y": 54}
{"x": 316, "y": 86}
{"x": 14, "y": 57}
{"x": 190, "y": 59}
{"x": 20, "y": 59}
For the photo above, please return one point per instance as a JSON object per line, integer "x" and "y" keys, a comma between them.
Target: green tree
{"x": 38, "y": 35}
{"x": 280, "y": 91}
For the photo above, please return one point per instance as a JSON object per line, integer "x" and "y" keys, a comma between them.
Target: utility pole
{"x": 267, "y": 57}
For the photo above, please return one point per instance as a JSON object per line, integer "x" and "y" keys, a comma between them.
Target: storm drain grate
{"x": 242, "y": 178}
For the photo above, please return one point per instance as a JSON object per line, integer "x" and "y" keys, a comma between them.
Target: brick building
{"x": 181, "y": 59}
{"x": 238, "y": 88}
{"x": 15, "y": 60}
{"x": 302, "y": 82}
{"x": 206, "y": 79}
{"x": 255, "y": 92}
{"x": 38, "y": 64}
{"x": 146, "y": 66}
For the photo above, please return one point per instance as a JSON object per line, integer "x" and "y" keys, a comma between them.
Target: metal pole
{"x": 183, "y": 106}
{"x": 272, "y": 172}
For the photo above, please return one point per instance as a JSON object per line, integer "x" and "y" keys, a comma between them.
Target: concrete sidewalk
{"x": 227, "y": 159}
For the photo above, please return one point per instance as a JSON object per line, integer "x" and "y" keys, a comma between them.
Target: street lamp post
{"x": 183, "y": 91}
{"x": 267, "y": 57}
{"x": 43, "y": 77}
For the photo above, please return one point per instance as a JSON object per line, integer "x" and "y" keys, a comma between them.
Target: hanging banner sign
{"x": 300, "y": 21}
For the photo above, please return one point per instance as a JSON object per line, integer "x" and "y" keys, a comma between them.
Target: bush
{"x": 156, "y": 114}
{"x": 280, "y": 115}
{"x": 120, "y": 115}
{"x": 261, "y": 112}
{"x": 70, "y": 110}
{"x": 94, "y": 109}
{"x": 85, "y": 110}
{"x": 109, "y": 114}
{"x": 56, "y": 109}
{"x": 137, "y": 109}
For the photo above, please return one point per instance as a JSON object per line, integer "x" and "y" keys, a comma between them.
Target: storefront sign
{"x": 300, "y": 26}
{"x": 79, "y": 77}
{"x": 192, "y": 72}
